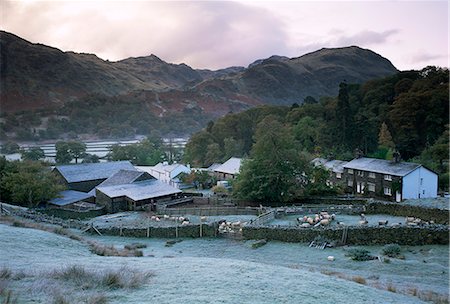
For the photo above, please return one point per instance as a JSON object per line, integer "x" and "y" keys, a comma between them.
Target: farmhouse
{"x": 335, "y": 167}
{"x": 85, "y": 177}
{"x": 391, "y": 180}
{"x": 169, "y": 174}
{"x": 229, "y": 169}
{"x": 129, "y": 190}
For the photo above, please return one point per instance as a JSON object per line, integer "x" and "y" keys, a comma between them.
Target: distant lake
{"x": 99, "y": 148}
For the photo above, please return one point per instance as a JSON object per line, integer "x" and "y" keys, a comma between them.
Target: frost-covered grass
{"x": 216, "y": 271}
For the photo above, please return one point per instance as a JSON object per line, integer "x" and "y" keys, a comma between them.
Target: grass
{"x": 111, "y": 279}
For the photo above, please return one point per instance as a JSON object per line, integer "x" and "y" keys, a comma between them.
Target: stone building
{"x": 85, "y": 177}
{"x": 389, "y": 180}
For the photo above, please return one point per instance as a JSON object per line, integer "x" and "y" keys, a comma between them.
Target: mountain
{"x": 45, "y": 80}
{"x": 280, "y": 80}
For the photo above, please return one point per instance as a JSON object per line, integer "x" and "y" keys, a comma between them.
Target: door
{"x": 359, "y": 187}
{"x": 398, "y": 196}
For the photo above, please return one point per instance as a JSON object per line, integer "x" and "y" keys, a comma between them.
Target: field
{"x": 42, "y": 267}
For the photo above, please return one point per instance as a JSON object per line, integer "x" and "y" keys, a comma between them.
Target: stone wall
{"x": 403, "y": 235}
{"x": 439, "y": 216}
{"x": 73, "y": 214}
{"x": 191, "y": 231}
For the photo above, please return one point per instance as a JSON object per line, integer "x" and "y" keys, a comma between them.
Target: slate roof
{"x": 333, "y": 165}
{"x": 92, "y": 171}
{"x": 139, "y": 190}
{"x": 382, "y": 166}
{"x": 231, "y": 166}
{"x": 69, "y": 197}
{"x": 214, "y": 166}
{"x": 124, "y": 177}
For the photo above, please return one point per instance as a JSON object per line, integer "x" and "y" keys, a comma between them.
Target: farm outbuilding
{"x": 70, "y": 199}
{"x": 85, "y": 177}
{"x": 135, "y": 195}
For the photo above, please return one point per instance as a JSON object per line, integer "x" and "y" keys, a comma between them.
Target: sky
{"x": 219, "y": 34}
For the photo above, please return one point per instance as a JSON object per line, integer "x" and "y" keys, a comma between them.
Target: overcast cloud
{"x": 216, "y": 34}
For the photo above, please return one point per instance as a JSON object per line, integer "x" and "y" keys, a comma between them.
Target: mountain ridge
{"x": 36, "y": 77}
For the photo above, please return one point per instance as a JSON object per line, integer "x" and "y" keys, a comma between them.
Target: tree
{"x": 10, "y": 148}
{"x": 344, "y": 123}
{"x": 77, "y": 149}
{"x": 306, "y": 132}
{"x": 145, "y": 153}
{"x": 29, "y": 184}
{"x": 91, "y": 158}
{"x": 63, "y": 155}
{"x": 275, "y": 173}
{"x": 34, "y": 153}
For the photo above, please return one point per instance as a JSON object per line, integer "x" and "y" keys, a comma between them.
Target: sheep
{"x": 203, "y": 218}
{"x": 166, "y": 216}
{"x": 325, "y": 222}
{"x": 310, "y": 221}
{"x": 181, "y": 219}
{"x": 330, "y": 258}
{"x": 157, "y": 219}
{"x": 184, "y": 223}
{"x": 153, "y": 218}
{"x": 305, "y": 225}
{"x": 409, "y": 219}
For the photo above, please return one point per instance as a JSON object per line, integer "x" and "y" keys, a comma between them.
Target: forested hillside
{"x": 407, "y": 112}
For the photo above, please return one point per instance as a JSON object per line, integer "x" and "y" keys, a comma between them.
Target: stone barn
{"x": 85, "y": 177}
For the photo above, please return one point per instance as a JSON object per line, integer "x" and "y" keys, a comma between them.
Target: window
{"x": 387, "y": 177}
{"x": 371, "y": 187}
{"x": 387, "y": 191}
{"x": 350, "y": 183}
{"x": 421, "y": 181}
{"x": 350, "y": 171}
{"x": 338, "y": 175}
{"x": 361, "y": 173}
{"x": 371, "y": 175}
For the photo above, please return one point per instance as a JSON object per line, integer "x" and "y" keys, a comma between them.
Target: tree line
{"x": 407, "y": 112}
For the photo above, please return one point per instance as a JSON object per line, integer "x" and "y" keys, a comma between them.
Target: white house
{"x": 392, "y": 180}
{"x": 167, "y": 173}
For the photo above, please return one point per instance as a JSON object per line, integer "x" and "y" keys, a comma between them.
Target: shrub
{"x": 359, "y": 255}
{"x": 134, "y": 246}
{"x": 5, "y": 273}
{"x": 391, "y": 288}
{"x": 112, "y": 280}
{"x": 359, "y": 280}
{"x": 391, "y": 250}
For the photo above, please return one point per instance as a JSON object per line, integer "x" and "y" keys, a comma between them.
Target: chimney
{"x": 396, "y": 156}
{"x": 358, "y": 153}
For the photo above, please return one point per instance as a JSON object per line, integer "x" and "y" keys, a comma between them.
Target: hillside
{"x": 280, "y": 80}
{"x": 49, "y": 85}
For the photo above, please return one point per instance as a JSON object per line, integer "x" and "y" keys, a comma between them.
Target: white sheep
{"x": 325, "y": 222}
{"x": 184, "y": 223}
{"x": 330, "y": 258}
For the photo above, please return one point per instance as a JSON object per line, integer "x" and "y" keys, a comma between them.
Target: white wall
{"x": 420, "y": 183}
